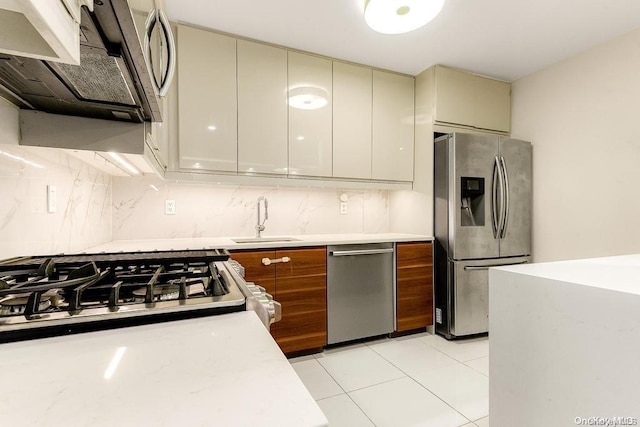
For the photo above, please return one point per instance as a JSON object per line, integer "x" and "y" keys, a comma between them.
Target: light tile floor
{"x": 416, "y": 380}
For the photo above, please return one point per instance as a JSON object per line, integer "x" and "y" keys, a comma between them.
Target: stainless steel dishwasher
{"x": 360, "y": 291}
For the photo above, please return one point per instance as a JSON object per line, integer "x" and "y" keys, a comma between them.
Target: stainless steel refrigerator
{"x": 482, "y": 215}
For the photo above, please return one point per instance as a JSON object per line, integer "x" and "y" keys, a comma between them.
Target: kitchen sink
{"x": 266, "y": 240}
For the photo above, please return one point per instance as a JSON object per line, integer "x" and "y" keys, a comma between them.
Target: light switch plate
{"x": 169, "y": 207}
{"x": 52, "y": 199}
{"x": 343, "y": 208}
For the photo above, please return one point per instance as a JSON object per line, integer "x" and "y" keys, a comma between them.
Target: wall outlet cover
{"x": 343, "y": 208}
{"x": 52, "y": 199}
{"x": 169, "y": 207}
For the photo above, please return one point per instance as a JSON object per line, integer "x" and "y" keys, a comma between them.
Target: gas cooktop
{"x": 59, "y": 294}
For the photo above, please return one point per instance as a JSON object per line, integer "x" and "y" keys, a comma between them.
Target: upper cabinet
{"x": 262, "y": 108}
{"x": 352, "y": 101}
{"x": 254, "y": 110}
{"x": 310, "y": 106}
{"x": 465, "y": 99}
{"x": 393, "y": 130}
{"x": 207, "y": 102}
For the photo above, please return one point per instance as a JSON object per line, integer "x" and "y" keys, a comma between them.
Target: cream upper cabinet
{"x": 207, "y": 102}
{"x": 493, "y": 104}
{"x": 352, "y": 100}
{"x": 310, "y": 115}
{"x": 462, "y": 98}
{"x": 262, "y": 108}
{"x": 455, "y": 96}
{"x": 393, "y": 130}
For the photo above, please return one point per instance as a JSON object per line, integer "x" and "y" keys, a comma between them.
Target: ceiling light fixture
{"x": 308, "y": 97}
{"x": 400, "y": 16}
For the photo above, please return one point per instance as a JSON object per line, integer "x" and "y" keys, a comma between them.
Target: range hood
{"x": 112, "y": 81}
{"x": 100, "y": 143}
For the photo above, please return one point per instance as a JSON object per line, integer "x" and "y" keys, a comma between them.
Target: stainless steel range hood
{"x": 95, "y": 141}
{"x": 112, "y": 81}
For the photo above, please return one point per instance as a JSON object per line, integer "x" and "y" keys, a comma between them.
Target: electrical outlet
{"x": 52, "y": 199}
{"x": 343, "y": 208}
{"x": 169, "y": 207}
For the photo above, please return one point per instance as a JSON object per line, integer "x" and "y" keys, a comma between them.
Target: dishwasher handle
{"x": 362, "y": 252}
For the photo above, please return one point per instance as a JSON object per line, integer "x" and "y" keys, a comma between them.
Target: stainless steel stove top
{"x": 61, "y": 294}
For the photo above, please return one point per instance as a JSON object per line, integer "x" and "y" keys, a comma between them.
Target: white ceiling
{"x": 505, "y": 39}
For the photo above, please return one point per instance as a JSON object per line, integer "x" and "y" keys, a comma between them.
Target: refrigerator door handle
{"x": 494, "y": 196}
{"x": 505, "y": 205}
{"x": 486, "y": 267}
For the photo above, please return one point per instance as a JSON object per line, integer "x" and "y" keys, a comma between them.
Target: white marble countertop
{"x": 565, "y": 339}
{"x": 222, "y": 370}
{"x": 619, "y": 273}
{"x": 228, "y": 243}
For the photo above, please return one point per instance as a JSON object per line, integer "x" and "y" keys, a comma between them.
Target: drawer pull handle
{"x": 267, "y": 261}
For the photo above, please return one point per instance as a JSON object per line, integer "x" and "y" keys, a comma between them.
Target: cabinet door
{"x": 393, "y": 132}
{"x": 207, "y": 100}
{"x": 352, "y": 100}
{"x": 414, "y": 281}
{"x": 455, "y": 96}
{"x": 493, "y": 104}
{"x": 310, "y": 106}
{"x": 262, "y": 108}
{"x": 302, "y": 291}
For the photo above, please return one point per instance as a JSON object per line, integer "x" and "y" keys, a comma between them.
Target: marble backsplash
{"x": 83, "y": 215}
{"x": 209, "y": 210}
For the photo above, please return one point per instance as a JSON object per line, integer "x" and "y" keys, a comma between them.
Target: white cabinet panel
{"x": 262, "y": 108}
{"x": 393, "y": 131}
{"x": 310, "y": 107}
{"x": 352, "y": 101}
{"x": 493, "y": 104}
{"x": 207, "y": 100}
{"x": 455, "y": 96}
{"x": 463, "y": 98}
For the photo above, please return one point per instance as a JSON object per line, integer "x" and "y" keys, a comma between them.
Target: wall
{"x": 83, "y": 216}
{"x": 215, "y": 210}
{"x": 583, "y": 118}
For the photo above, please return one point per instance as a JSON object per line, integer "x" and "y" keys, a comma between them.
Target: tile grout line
{"x": 423, "y": 386}
{"x": 344, "y": 392}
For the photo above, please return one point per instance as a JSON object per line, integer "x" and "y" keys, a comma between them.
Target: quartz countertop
{"x": 228, "y": 243}
{"x": 565, "y": 339}
{"x": 222, "y": 370}
{"x": 618, "y": 273}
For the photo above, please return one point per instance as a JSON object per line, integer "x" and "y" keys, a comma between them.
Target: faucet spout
{"x": 260, "y": 222}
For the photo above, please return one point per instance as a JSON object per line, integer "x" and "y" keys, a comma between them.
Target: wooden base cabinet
{"x": 300, "y": 286}
{"x": 414, "y": 280}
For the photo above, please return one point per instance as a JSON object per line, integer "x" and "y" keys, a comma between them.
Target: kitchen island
{"x": 222, "y": 370}
{"x": 565, "y": 340}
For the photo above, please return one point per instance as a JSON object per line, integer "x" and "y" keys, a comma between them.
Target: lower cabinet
{"x": 300, "y": 286}
{"x": 414, "y": 281}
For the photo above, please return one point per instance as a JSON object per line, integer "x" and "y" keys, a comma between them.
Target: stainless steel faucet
{"x": 259, "y": 225}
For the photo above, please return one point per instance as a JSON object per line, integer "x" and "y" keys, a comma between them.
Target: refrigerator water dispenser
{"x": 472, "y": 201}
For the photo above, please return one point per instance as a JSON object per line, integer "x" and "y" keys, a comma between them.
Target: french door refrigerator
{"x": 482, "y": 216}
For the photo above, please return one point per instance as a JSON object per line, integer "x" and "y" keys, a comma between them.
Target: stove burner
{"x": 17, "y": 304}
{"x": 171, "y": 291}
{"x": 160, "y": 293}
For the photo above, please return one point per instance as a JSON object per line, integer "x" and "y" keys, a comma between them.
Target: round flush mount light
{"x": 400, "y": 16}
{"x": 308, "y": 98}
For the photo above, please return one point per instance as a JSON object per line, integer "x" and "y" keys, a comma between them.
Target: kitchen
{"x": 567, "y": 107}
